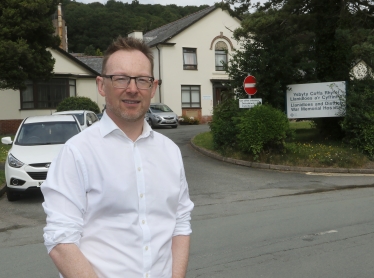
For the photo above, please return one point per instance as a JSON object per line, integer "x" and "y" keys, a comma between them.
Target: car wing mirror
{"x": 6, "y": 141}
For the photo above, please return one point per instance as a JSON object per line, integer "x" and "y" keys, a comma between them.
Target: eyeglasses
{"x": 123, "y": 81}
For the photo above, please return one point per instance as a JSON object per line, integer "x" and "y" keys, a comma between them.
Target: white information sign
{"x": 249, "y": 102}
{"x": 207, "y": 97}
{"x": 315, "y": 100}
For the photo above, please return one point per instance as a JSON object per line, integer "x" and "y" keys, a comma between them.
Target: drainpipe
{"x": 159, "y": 72}
{"x": 59, "y": 20}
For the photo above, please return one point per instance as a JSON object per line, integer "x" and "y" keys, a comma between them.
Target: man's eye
{"x": 122, "y": 79}
{"x": 143, "y": 80}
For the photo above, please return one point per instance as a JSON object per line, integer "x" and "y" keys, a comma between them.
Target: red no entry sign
{"x": 250, "y": 85}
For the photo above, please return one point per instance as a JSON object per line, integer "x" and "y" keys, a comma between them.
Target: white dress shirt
{"x": 119, "y": 201}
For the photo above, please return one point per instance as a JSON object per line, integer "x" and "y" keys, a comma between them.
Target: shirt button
{"x": 143, "y": 221}
{"x": 141, "y": 195}
{"x": 139, "y": 168}
{"x": 146, "y": 248}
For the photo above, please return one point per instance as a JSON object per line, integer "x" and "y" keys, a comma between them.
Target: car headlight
{"x": 14, "y": 162}
{"x": 158, "y": 118}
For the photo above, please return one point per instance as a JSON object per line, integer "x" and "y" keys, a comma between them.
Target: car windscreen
{"x": 80, "y": 118}
{"x": 47, "y": 133}
{"x": 160, "y": 108}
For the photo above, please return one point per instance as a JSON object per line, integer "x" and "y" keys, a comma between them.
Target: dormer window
{"x": 189, "y": 59}
{"x": 221, "y": 55}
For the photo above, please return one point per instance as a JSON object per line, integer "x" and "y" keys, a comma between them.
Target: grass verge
{"x": 3, "y": 154}
{"x": 306, "y": 149}
{"x": 2, "y": 177}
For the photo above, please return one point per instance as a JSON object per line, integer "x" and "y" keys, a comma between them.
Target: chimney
{"x": 136, "y": 35}
{"x": 59, "y": 21}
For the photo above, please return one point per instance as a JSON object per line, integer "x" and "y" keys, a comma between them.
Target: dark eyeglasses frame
{"x": 131, "y": 77}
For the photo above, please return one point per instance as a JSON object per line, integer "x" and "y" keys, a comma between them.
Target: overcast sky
{"x": 167, "y": 2}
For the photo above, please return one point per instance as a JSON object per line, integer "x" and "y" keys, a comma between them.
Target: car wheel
{"x": 11, "y": 195}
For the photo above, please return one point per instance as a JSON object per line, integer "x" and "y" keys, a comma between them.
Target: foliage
{"x": 90, "y": 50}
{"x": 184, "y": 120}
{"x": 305, "y": 149}
{"x": 358, "y": 122}
{"x": 262, "y": 128}
{"x": 329, "y": 127}
{"x": 2, "y": 177}
{"x": 223, "y": 127}
{"x": 78, "y": 103}
{"x": 25, "y": 34}
{"x": 98, "y": 24}
{"x": 294, "y": 42}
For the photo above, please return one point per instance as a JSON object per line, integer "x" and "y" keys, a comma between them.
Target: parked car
{"x": 86, "y": 118}
{"x": 160, "y": 114}
{"x": 99, "y": 116}
{"x": 36, "y": 143}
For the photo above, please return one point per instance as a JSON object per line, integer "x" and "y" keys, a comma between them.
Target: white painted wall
{"x": 10, "y": 103}
{"x": 200, "y": 35}
{"x": 64, "y": 65}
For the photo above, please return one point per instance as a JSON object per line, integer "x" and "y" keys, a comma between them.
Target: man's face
{"x": 130, "y": 104}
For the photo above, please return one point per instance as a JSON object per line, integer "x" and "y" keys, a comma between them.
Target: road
{"x": 246, "y": 223}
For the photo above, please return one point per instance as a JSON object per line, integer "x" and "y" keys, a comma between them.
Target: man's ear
{"x": 100, "y": 85}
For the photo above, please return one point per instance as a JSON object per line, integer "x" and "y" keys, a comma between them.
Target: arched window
{"x": 221, "y": 55}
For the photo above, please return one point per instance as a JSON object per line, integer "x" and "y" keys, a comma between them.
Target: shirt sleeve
{"x": 185, "y": 206}
{"x": 64, "y": 198}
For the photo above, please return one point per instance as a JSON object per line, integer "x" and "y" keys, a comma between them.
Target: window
{"x": 189, "y": 59}
{"x": 46, "y": 94}
{"x": 191, "y": 96}
{"x": 221, "y": 55}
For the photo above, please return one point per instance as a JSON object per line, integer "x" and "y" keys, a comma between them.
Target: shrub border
{"x": 217, "y": 156}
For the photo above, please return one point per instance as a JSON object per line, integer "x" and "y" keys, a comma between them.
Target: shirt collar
{"x": 107, "y": 126}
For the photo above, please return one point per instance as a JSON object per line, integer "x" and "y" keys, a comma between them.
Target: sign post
{"x": 249, "y": 85}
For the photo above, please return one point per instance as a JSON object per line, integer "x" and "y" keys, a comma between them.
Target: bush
{"x": 78, "y": 103}
{"x": 223, "y": 127}
{"x": 262, "y": 128}
{"x": 184, "y": 120}
{"x": 329, "y": 128}
{"x": 358, "y": 123}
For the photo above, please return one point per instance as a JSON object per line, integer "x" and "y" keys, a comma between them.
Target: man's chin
{"x": 130, "y": 117}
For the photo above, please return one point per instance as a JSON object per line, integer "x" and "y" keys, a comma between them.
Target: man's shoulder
{"x": 89, "y": 134}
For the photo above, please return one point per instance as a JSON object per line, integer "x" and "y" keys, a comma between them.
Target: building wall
{"x": 87, "y": 88}
{"x": 10, "y": 104}
{"x": 212, "y": 28}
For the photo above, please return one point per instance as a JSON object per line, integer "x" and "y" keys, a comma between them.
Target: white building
{"x": 188, "y": 54}
{"x": 71, "y": 78}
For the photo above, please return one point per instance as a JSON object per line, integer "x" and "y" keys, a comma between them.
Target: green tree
{"x": 90, "y": 50}
{"x": 26, "y": 31}
{"x": 97, "y": 24}
{"x": 300, "y": 41}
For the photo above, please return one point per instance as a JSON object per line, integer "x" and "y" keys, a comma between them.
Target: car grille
{"x": 38, "y": 175}
{"x": 169, "y": 118}
{"x": 41, "y": 165}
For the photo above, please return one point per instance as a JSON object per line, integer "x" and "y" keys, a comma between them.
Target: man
{"x": 116, "y": 197}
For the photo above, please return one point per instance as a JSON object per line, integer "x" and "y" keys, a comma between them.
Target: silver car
{"x": 160, "y": 114}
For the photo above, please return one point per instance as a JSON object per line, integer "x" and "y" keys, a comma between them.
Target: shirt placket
{"x": 147, "y": 255}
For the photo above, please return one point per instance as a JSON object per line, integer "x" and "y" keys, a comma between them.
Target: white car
{"x": 86, "y": 118}
{"x": 37, "y": 142}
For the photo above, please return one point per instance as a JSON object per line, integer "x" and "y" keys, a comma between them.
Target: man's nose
{"x": 132, "y": 85}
